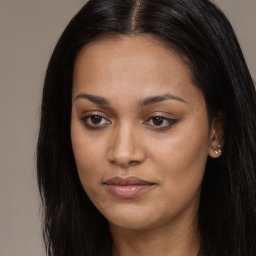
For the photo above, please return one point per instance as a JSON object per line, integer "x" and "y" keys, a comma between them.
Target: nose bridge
{"x": 126, "y": 148}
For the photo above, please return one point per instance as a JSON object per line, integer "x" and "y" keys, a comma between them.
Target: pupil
{"x": 96, "y": 119}
{"x": 158, "y": 120}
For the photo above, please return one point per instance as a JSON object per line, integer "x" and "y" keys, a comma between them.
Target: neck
{"x": 174, "y": 239}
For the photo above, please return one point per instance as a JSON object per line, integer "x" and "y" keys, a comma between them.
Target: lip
{"x": 127, "y": 188}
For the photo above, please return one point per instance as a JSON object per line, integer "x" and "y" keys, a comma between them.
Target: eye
{"x": 160, "y": 122}
{"x": 95, "y": 121}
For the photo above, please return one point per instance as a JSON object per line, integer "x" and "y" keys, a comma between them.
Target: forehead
{"x": 131, "y": 66}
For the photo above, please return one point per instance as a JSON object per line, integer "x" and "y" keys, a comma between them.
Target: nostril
{"x": 133, "y": 163}
{"x": 124, "y": 164}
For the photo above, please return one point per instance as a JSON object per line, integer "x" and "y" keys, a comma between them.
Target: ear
{"x": 216, "y": 136}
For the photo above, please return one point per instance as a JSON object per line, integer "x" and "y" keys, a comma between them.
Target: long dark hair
{"x": 201, "y": 32}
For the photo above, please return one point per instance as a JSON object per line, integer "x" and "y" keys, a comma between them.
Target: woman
{"x": 147, "y": 139}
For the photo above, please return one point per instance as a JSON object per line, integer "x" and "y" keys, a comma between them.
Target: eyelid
{"x": 163, "y": 114}
{"x": 171, "y": 122}
{"x": 89, "y": 114}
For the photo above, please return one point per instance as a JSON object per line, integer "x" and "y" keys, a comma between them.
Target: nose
{"x": 126, "y": 147}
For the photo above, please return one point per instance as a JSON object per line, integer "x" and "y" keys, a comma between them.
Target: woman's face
{"x": 140, "y": 132}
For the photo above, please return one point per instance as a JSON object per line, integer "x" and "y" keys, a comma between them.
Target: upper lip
{"x": 132, "y": 180}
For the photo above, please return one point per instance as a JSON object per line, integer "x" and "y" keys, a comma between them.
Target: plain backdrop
{"x": 29, "y": 30}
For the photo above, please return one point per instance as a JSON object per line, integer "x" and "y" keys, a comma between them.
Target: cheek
{"x": 187, "y": 144}
{"x": 181, "y": 159}
{"x": 88, "y": 157}
{"x": 89, "y": 167}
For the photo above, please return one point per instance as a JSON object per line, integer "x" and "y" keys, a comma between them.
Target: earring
{"x": 218, "y": 150}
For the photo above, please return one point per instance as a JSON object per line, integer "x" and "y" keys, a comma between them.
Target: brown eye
{"x": 95, "y": 121}
{"x": 160, "y": 122}
{"x": 157, "y": 120}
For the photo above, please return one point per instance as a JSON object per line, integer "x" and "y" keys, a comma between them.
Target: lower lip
{"x": 127, "y": 191}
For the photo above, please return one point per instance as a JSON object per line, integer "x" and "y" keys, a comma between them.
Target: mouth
{"x": 127, "y": 188}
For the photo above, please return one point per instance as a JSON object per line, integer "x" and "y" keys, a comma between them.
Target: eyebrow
{"x": 145, "y": 102}
{"x": 155, "y": 99}
{"x": 95, "y": 99}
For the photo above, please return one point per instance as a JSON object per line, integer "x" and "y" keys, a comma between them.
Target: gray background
{"x": 29, "y": 30}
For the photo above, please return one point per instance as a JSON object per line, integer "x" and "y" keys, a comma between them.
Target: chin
{"x": 133, "y": 218}
{"x": 131, "y": 224}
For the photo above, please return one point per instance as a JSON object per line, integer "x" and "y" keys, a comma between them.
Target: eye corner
{"x": 164, "y": 123}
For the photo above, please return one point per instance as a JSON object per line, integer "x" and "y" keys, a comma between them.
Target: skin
{"x": 127, "y": 141}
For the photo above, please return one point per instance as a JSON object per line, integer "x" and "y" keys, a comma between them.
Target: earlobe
{"x": 216, "y": 136}
{"x": 215, "y": 148}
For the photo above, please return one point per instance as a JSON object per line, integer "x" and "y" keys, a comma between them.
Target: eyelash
{"x": 91, "y": 126}
{"x": 170, "y": 122}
